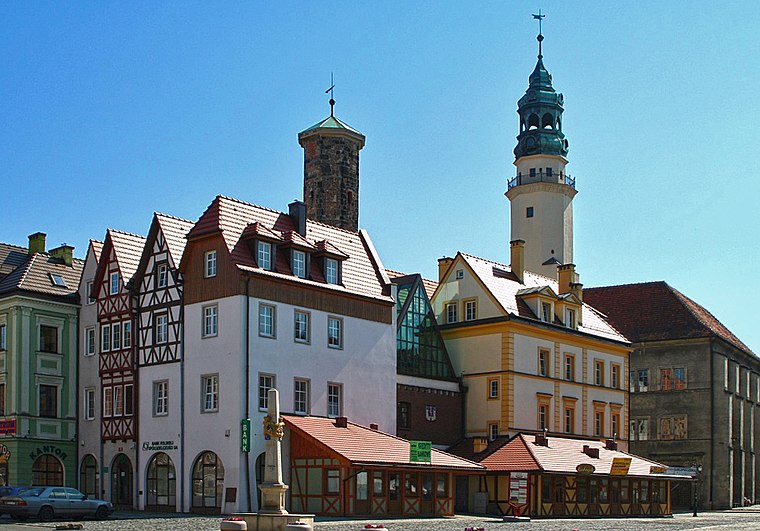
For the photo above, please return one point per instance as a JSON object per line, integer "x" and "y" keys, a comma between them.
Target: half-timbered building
{"x": 158, "y": 290}
{"x": 116, "y": 363}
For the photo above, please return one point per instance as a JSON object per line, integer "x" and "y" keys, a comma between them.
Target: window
{"x": 128, "y": 399}
{"x": 210, "y": 393}
{"x": 643, "y": 380}
{"x": 548, "y": 172}
{"x": 334, "y": 400}
{"x": 57, "y": 280}
{"x": 334, "y": 332}
{"x": 264, "y": 255}
{"x": 89, "y": 403}
{"x": 639, "y": 429}
{"x": 266, "y": 382}
{"x": 543, "y": 362}
{"x": 162, "y": 328}
{"x": 90, "y": 296}
{"x": 210, "y": 321}
{"x": 48, "y": 338}
{"x": 666, "y": 379}
{"x": 672, "y": 428}
{"x": 570, "y": 321}
{"x": 470, "y": 310}
{"x": 2, "y": 398}
{"x": 493, "y": 431}
{"x": 451, "y": 312}
{"x": 569, "y": 419}
{"x": 127, "y": 327}
{"x": 332, "y": 480}
{"x": 48, "y": 401}
{"x": 209, "y": 259}
{"x": 529, "y": 212}
{"x": 266, "y": 320}
{"x": 615, "y": 376}
{"x": 113, "y": 283}
{"x": 301, "y": 396}
{"x": 543, "y": 416}
{"x": 116, "y": 336}
{"x": 459, "y": 274}
{"x": 162, "y": 275}
{"x": 298, "y": 263}
{"x": 546, "y": 312}
{"x": 118, "y": 401}
{"x": 569, "y": 367}
{"x": 3, "y": 329}
{"x": 89, "y": 341}
{"x": 615, "y": 419}
{"x": 331, "y": 271}
{"x": 598, "y": 372}
{"x": 105, "y": 338}
{"x": 532, "y": 172}
{"x": 404, "y": 415}
{"x": 160, "y": 398}
{"x": 493, "y": 388}
{"x": 108, "y": 401}
{"x": 301, "y": 327}
{"x": 679, "y": 379}
{"x": 598, "y": 423}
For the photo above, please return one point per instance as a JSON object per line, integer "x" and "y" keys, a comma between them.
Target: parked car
{"x": 10, "y": 491}
{"x": 47, "y": 503}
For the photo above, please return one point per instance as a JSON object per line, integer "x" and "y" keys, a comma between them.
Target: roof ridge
{"x": 27, "y": 268}
{"x": 650, "y": 282}
{"x": 20, "y": 248}
{"x": 506, "y": 265}
{"x": 125, "y": 233}
{"x": 236, "y": 200}
{"x": 93, "y": 240}
{"x": 162, "y": 214}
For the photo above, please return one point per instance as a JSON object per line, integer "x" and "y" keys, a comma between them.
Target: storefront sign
{"x": 681, "y": 471}
{"x": 245, "y": 435}
{"x": 47, "y": 449}
{"x": 419, "y": 451}
{"x": 5, "y": 452}
{"x": 658, "y": 469}
{"x": 585, "y": 468}
{"x": 155, "y": 446}
{"x": 518, "y": 487}
{"x": 620, "y": 466}
{"x": 7, "y": 426}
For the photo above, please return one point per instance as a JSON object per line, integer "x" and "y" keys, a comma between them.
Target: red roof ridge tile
{"x": 176, "y": 218}
{"x": 507, "y": 267}
{"x": 126, "y": 233}
{"x": 236, "y": 200}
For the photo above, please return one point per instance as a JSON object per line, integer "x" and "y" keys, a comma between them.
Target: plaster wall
{"x": 475, "y": 354}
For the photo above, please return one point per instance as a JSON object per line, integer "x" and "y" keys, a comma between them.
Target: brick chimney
{"x": 65, "y": 253}
{"x": 576, "y": 288}
{"x": 297, "y": 212}
{"x": 443, "y": 266}
{"x": 517, "y": 258}
{"x": 565, "y": 277}
{"x": 591, "y": 452}
{"x": 479, "y": 444}
{"x": 541, "y": 439}
{"x": 610, "y": 444}
{"x": 341, "y": 422}
{"x": 37, "y": 242}
{"x": 374, "y": 427}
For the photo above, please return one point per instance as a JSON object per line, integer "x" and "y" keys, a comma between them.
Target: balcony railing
{"x": 559, "y": 178}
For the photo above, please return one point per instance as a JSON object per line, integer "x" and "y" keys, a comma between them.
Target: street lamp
{"x": 698, "y": 469}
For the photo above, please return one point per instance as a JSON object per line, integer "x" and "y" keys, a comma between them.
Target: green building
{"x": 39, "y": 307}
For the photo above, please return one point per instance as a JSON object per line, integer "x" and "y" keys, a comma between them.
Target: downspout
{"x": 712, "y": 419}
{"x": 135, "y": 394}
{"x": 181, "y": 289}
{"x": 76, "y": 399}
{"x": 247, "y": 461}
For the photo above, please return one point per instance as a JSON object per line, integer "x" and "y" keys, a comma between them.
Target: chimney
{"x": 610, "y": 444}
{"x": 37, "y": 242}
{"x": 517, "y": 258}
{"x": 297, "y": 212}
{"x": 373, "y": 427}
{"x": 542, "y": 439}
{"x": 591, "y": 452}
{"x": 565, "y": 277}
{"x": 479, "y": 444}
{"x": 341, "y": 422}
{"x": 65, "y": 253}
{"x": 576, "y": 288}
{"x": 443, "y": 266}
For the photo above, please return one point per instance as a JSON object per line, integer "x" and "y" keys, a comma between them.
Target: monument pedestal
{"x": 273, "y": 522}
{"x": 273, "y": 498}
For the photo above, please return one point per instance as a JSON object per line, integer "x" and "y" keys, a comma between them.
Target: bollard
{"x": 299, "y": 526}
{"x": 233, "y": 524}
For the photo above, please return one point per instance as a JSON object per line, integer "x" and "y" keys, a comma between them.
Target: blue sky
{"x": 113, "y": 110}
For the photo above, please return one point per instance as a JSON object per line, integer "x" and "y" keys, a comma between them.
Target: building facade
{"x": 38, "y": 355}
{"x": 695, "y": 391}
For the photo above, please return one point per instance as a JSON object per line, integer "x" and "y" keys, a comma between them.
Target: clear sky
{"x": 110, "y": 111}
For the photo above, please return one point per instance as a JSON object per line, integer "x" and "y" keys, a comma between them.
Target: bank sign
{"x": 419, "y": 451}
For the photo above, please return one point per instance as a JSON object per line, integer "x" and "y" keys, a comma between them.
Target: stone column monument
{"x": 272, "y": 488}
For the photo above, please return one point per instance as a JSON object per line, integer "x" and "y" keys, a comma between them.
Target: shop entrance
{"x": 121, "y": 482}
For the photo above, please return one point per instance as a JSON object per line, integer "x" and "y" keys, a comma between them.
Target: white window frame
{"x": 266, "y": 382}
{"x": 3, "y": 336}
{"x": 332, "y": 271}
{"x": 570, "y": 318}
{"x": 264, "y": 255}
{"x": 298, "y": 263}
{"x": 90, "y": 348}
{"x": 334, "y": 400}
{"x": 493, "y": 431}
{"x": 126, "y": 336}
{"x": 333, "y": 324}
{"x": 210, "y": 322}
{"x": 209, "y": 263}
{"x": 599, "y": 372}
{"x": 113, "y": 283}
{"x": 162, "y": 328}
{"x": 493, "y": 388}
{"x": 209, "y": 393}
{"x": 450, "y": 309}
{"x": 89, "y": 298}
{"x": 301, "y": 396}
{"x": 297, "y": 337}
{"x": 547, "y": 313}
{"x": 108, "y": 402}
{"x": 162, "y": 275}
{"x": 105, "y": 337}
{"x": 116, "y": 336}
{"x": 470, "y": 310}
{"x": 160, "y": 398}
{"x": 118, "y": 401}
{"x": 88, "y": 403}
{"x": 267, "y": 321}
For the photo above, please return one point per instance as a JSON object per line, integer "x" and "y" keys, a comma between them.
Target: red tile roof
{"x": 97, "y": 248}
{"x": 33, "y": 274}
{"x": 655, "y": 311}
{"x": 362, "y": 273}
{"x": 361, "y": 445}
{"x": 128, "y": 248}
{"x": 174, "y": 230}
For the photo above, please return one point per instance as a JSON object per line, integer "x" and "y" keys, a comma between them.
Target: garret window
{"x": 330, "y": 259}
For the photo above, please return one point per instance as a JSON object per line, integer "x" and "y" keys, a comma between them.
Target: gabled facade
{"x": 529, "y": 365}
{"x": 157, "y": 287}
{"x": 275, "y": 300}
{"x": 695, "y": 391}
{"x": 38, "y": 337}
{"x": 117, "y": 364}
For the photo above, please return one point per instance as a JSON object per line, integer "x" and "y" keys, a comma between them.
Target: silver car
{"x": 47, "y": 503}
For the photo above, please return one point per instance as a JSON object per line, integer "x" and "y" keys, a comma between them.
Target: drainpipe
{"x": 712, "y": 419}
{"x": 76, "y": 397}
{"x": 247, "y": 462}
{"x": 181, "y": 289}
{"x": 135, "y": 318}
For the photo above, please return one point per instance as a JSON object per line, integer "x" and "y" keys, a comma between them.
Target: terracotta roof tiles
{"x": 174, "y": 230}
{"x": 34, "y": 275}
{"x": 128, "y": 248}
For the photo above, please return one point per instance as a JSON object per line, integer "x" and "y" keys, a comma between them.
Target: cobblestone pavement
{"x": 728, "y": 520}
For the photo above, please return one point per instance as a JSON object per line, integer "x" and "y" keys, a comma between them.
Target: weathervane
{"x": 330, "y": 90}
{"x": 540, "y": 17}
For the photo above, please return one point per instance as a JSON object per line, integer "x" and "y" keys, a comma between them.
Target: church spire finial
{"x": 330, "y": 90}
{"x": 540, "y": 17}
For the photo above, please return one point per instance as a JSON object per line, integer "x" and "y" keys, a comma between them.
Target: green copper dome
{"x": 540, "y": 111}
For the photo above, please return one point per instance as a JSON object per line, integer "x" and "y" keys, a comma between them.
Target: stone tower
{"x": 541, "y": 194}
{"x": 331, "y": 172}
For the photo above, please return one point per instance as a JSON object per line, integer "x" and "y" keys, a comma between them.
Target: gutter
{"x": 180, "y": 286}
{"x": 247, "y": 461}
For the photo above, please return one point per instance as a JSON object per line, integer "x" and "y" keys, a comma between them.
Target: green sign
{"x": 245, "y": 435}
{"x": 419, "y": 451}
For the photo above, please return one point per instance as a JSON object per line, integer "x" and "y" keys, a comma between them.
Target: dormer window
{"x": 331, "y": 271}
{"x": 264, "y": 255}
{"x": 546, "y": 312}
{"x": 209, "y": 264}
{"x": 114, "y": 283}
{"x": 298, "y": 263}
{"x": 570, "y": 318}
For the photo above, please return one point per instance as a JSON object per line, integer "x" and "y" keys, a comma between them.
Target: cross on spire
{"x": 540, "y": 17}
{"x": 330, "y": 90}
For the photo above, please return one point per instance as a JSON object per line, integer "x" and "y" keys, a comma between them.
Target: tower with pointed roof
{"x": 541, "y": 193}
{"x": 331, "y": 171}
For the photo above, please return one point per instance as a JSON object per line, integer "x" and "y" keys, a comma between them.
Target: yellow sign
{"x": 620, "y": 466}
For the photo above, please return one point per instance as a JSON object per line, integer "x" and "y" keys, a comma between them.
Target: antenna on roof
{"x": 330, "y": 90}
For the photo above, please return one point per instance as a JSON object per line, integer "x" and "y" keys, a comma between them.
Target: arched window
{"x": 260, "y": 465}
{"x": 533, "y": 121}
{"x": 162, "y": 483}
{"x": 547, "y": 121}
{"x": 88, "y": 482}
{"x": 47, "y": 470}
{"x": 208, "y": 484}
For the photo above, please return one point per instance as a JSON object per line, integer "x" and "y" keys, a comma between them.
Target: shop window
{"x": 593, "y": 491}
{"x": 581, "y": 489}
{"x": 625, "y": 486}
{"x": 208, "y": 482}
{"x": 47, "y": 470}
{"x": 603, "y": 490}
{"x": 378, "y": 483}
{"x": 394, "y": 486}
{"x": 161, "y": 478}
{"x": 441, "y": 489}
{"x": 332, "y": 481}
{"x": 411, "y": 485}
{"x": 362, "y": 486}
{"x": 427, "y": 487}
{"x": 559, "y": 490}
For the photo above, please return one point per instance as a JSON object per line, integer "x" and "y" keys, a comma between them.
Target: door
{"x": 394, "y": 493}
{"x": 362, "y": 493}
{"x": 426, "y": 508}
{"x": 462, "y": 495}
{"x": 121, "y": 482}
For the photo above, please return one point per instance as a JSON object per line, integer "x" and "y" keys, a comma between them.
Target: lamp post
{"x": 698, "y": 469}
